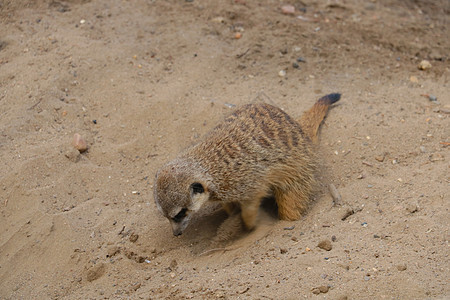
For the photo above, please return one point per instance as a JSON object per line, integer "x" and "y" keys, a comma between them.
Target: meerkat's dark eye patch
{"x": 197, "y": 188}
{"x": 180, "y": 215}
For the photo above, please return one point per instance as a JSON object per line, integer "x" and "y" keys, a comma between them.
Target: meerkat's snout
{"x": 179, "y": 222}
{"x": 198, "y": 196}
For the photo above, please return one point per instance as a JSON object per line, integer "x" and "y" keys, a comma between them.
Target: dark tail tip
{"x": 330, "y": 99}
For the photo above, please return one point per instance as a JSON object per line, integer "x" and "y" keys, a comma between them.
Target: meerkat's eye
{"x": 180, "y": 215}
{"x": 197, "y": 188}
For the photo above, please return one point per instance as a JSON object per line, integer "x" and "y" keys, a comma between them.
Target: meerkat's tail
{"x": 311, "y": 119}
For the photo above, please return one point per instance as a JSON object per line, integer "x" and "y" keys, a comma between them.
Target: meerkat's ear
{"x": 200, "y": 194}
{"x": 197, "y": 188}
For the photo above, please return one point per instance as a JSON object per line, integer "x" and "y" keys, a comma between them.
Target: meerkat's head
{"x": 180, "y": 189}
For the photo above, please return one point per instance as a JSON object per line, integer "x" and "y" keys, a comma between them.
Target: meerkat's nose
{"x": 177, "y": 232}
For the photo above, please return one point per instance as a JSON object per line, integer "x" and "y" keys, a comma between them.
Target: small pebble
{"x": 325, "y": 245}
{"x": 414, "y": 79}
{"x": 436, "y": 157}
{"x": 237, "y": 35}
{"x": 134, "y": 237}
{"x": 424, "y": 65}
{"x": 173, "y": 265}
{"x": 412, "y": 208}
{"x": 432, "y": 97}
{"x": 229, "y": 105}
{"x": 288, "y": 9}
{"x": 79, "y": 142}
{"x": 295, "y": 65}
{"x": 321, "y": 289}
{"x": 379, "y": 158}
{"x": 401, "y": 267}
{"x": 282, "y": 73}
{"x": 301, "y": 59}
{"x": 218, "y": 20}
{"x": 283, "y": 250}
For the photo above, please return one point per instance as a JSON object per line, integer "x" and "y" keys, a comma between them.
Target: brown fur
{"x": 257, "y": 151}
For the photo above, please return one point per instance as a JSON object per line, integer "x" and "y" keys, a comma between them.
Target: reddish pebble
{"x": 288, "y": 9}
{"x": 79, "y": 143}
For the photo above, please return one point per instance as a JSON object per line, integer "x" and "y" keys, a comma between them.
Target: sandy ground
{"x": 141, "y": 80}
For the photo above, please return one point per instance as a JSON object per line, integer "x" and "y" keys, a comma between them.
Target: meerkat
{"x": 258, "y": 151}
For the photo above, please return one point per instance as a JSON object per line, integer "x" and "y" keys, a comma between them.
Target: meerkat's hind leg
{"x": 291, "y": 203}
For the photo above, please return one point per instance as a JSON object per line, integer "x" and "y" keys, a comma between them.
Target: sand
{"x": 141, "y": 80}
